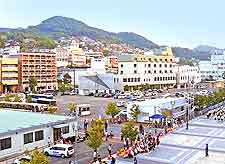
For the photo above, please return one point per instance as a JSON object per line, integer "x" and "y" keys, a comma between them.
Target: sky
{"x": 185, "y": 23}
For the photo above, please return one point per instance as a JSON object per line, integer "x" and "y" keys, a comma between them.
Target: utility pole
{"x": 76, "y": 132}
{"x": 74, "y": 79}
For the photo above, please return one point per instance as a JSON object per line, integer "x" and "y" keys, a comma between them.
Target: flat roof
{"x": 11, "y": 120}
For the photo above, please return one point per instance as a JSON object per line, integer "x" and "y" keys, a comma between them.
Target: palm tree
{"x": 72, "y": 107}
{"x": 32, "y": 83}
{"x": 135, "y": 111}
{"x": 165, "y": 114}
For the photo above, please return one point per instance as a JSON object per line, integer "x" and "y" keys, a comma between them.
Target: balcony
{"x": 11, "y": 74}
{"x": 8, "y": 69}
{"x": 10, "y": 82}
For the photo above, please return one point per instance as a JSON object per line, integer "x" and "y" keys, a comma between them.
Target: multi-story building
{"x": 155, "y": 70}
{"x": 77, "y": 57}
{"x": 9, "y": 73}
{"x": 214, "y": 68}
{"x": 62, "y": 57}
{"x": 42, "y": 66}
{"x": 187, "y": 76}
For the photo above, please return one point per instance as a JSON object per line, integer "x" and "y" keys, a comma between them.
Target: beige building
{"x": 9, "y": 73}
{"x": 42, "y": 66}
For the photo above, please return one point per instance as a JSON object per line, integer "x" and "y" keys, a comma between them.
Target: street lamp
{"x": 76, "y": 131}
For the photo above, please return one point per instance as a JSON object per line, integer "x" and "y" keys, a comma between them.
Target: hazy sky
{"x": 186, "y": 23}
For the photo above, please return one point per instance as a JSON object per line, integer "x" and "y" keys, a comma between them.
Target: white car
{"x": 120, "y": 103}
{"x": 22, "y": 159}
{"x": 60, "y": 150}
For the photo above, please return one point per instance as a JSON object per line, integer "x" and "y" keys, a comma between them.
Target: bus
{"x": 47, "y": 101}
{"x": 24, "y": 106}
{"x": 84, "y": 109}
{"x": 36, "y": 97}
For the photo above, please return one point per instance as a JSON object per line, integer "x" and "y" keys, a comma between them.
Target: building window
{"x": 39, "y": 135}
{"x": 65, "y": 129}
{"x": 160, "y": 65}
{"x": 171, "y": 60}
{"x": 124, "y": 79}
{"x": 121, "y": 72}
{"x": 135, "y": 79}
{"x": 138, "y": 79}
{"x": 165, "y": 71}
{"x": 145, "y": 65}
{"x": 135, "y": 65}
{"x": 149, "y": 65}
{"x": 161, "y": 60}
{"x": 149, "y": 71}
{"x": 160, "y": 71}
{"x": 166, "y": 78}
{"x": 114, "y": 80}
{"x": 135, "y": 71}
{"x": 163, "y": 78}
{"x": 160, "y": 78}
{"x": 145, "y": 71}
{"x": 166, "y": 60}
{"x": 149, "y": 79}
{"x": 150, "y": 59}
{"x": 154, "y": 65}
{"x": 155, "y": 79}
{"x": 128, "y": 79}
{"x": 28, "y": 138}
{"x": 154, "y": 71}
{"x": 132, "y": 80}
{"x": 165, "y": 65}
{"x": 5, "y": 143}
{"x": 121, "y": 65}
{"x": 144, "y": 79}
{"x": 171, "y": 71}
{"x": 170, "y": 65}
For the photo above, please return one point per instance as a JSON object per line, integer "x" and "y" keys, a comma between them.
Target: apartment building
{"x": 62, "y": 56}
{"x": 187, "y": 76}
{"x": 77, "y": 57}
{"x": 156, "y": 70}
{"x": 42, "y": 66}
{"x": 9, "y": 73}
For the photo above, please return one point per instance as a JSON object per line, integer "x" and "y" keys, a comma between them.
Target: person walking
{"x": 113, "y": 160}
{"x": 110, "y": 149}
{"x": 135, "y": 160}
{"x": 157, "y": 141}
{"x": 106, "y": 136}
{"x": 106, "y": 125}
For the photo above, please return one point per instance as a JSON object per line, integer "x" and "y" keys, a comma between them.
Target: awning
{"x": 156, "y": 116}
{"x": 60, "y": 126}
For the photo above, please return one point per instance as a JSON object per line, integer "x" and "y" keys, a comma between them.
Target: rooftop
{"x": 11, "y": 120}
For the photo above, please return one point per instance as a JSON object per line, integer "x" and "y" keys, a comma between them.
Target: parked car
{"x": 120, "y": 103}
{"x": 22, "y": 159}
{"x": 122, "y": 96}
{"x": 107, "y": 95}
{"x": 60, "y": 150}
{"x": 91, "y": 94}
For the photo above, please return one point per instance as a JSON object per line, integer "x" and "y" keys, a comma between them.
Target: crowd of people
{"x": 217, "y": 114}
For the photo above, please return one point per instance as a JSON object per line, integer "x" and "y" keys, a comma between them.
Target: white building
{"x": 187, "y": 75}
{"x": 62, "y": 56}
{"x": 155, "y": 70}
{"x": 214, "y": 68}
{"x": 11, "y": 49}
{"x": 22, "y": 131}
{"x": 148, "y": 108}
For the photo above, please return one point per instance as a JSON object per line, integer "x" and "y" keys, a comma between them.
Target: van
{"x": 60, "y": 150}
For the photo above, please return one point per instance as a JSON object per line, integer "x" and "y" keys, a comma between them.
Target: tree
{"x": 29, "y": 99}
{"x": 72, "y": 107}
{"x": 67, "y": 78}
{"x": 135, "y": 111}
{"x": 32, "y": 83}
{"x": 95, "y": 134}
{"x": 126, "y": 88}
{"x": 112, "y": 110}
{"x": 17, "y": 99}
{"x": 51, "y": 109}
{"x": 62, "y": 88}
{"x": 8, "y": 97}
{"x": 165, "y": 114}
{"x": 1, "y": 87}
{"x": 37, "y": 157}
{"x": 129, "y": 131}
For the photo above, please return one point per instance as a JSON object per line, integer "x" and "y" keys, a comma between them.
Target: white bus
{"x": 47, "y": 101}
{"x": 84, "y": 109}
{"x": 36, "y": 97}
{"x": 25, "y": 106}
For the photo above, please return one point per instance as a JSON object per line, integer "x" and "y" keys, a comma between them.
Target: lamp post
{"x": 76, "y": 130}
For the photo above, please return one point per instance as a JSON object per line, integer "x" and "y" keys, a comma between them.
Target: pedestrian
{"x": 135, "y": 160}
{"x": 106, "y": 125}
{"x": 157, "y": 141}
{"x": 106, "y": 136}
{"x": 113, "y": 160}
{"x": 49, "y": 141}
{"x": 95, "y": 154}
{"x": 110, "y": 149}
{"x": 206, "y": 150}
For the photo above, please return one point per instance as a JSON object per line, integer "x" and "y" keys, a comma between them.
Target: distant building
{"x": 187, "y": 76}
{"x": 9, "y": 74}
{"x": 62, "y": 57}
{"x": 156, "y": 70}
{"x": 11, "y": 49}
{"x": 27, "y": 130}
{"x": 77, "y": 57}
{"x": 214, "y": 68}
{"x": 91, "y": 54}
{"x": 42, "y": 66}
